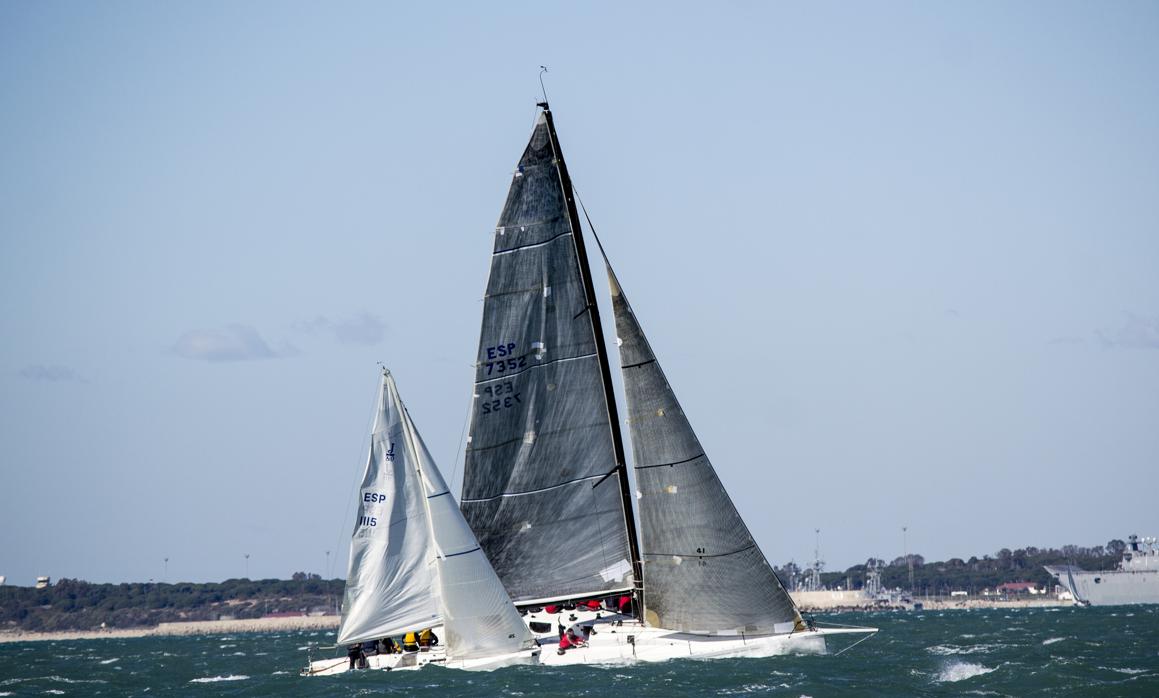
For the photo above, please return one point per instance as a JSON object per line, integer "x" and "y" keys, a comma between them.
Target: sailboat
{"x": 546, "y": 482}
{"x": 415, "y": 563}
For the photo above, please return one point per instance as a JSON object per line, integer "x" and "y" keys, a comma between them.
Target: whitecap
{"x": 1052, "y": 640}
{"x": 238, "y": 654}
{"x": 110, "y": 661}
{"x": 748, "y": 688}
{"x": 215, "y": 679}
{"x": 65, "y": 679}
{"x": 946, "y": 650}
{"x": 960, "y": 671}
{"x": 54, "y": 692}
{"x": 1130, "y": 672}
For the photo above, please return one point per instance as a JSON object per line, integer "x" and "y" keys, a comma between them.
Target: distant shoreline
{"x": 840, "y": 601}
{"x": 208, "y": 627}
{"x": 837, "y": 603}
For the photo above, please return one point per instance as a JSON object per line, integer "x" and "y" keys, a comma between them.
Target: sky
{"x": 898, "y": 260}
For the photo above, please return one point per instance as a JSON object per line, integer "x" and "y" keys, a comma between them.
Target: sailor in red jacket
{"x": 571, "y": 638}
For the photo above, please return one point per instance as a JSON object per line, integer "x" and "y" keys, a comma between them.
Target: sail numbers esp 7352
{"x": 498, "y": 397}
{"x": 501, "y": 358}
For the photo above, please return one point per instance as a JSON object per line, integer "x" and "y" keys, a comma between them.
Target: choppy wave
{"x": 953, "y": 653}
{"x": 982, "y": 648}
{"x": 960, "y": 671}
{"x": 1128, "y": 670}
{"x": 215, "y": 679}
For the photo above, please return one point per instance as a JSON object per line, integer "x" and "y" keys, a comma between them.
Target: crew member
{"x": 410, "y": 642}
{"x": 570, "y": 639}
{"x": 354, "y": 652}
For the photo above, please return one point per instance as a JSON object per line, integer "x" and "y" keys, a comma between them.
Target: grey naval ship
{"x": 1136, "y": 581}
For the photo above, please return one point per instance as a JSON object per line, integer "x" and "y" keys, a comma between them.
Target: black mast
{"x": 593, "y": 310}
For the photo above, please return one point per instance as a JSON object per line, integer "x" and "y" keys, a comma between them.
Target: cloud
{"x": 1136, "y": 333}
{"x": 1067, "y": 340}
{"x": 234, "y": 343}
{"x": 51, "y": 374}
{"x": 366, "y": 329}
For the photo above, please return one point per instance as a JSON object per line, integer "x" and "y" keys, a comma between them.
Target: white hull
{"x": 619, "y": 640}
{"x": 409, "y": 661}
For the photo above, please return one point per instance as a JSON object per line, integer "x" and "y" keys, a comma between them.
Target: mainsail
{"x": 414, "y": 561}
{"x": 705, "y": 572}
{"x": 540, "y": 442}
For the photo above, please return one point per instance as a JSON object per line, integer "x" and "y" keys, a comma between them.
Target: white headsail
{"x": 392, "y": 573}
{"x": 414, "y": 561}
{"x": 479, "y": 618}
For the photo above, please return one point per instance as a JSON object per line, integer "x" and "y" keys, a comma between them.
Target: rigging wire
{"x": 637, "y": 584}
{"x": 462, "y": 448}
{"x": 591, "y": 227}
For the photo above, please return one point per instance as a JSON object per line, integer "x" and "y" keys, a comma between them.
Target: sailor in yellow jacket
{"x": 410, "y": 642}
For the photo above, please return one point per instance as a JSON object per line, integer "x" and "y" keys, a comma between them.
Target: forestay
{"x": 704, "y": 571}
{"x": 540, "y": 436}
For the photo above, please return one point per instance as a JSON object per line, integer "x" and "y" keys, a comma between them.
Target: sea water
{"x": 1044, "y": 652}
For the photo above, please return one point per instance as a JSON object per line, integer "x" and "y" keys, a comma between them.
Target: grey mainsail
{"x": 540, "y": 438}
{"x": 705, "y": 573}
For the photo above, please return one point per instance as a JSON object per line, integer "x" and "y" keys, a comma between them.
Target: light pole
{"x": 166, "y": 577}
{"x": 326, "y": 569}
{"x": 909, "y": 563}
{"x": 247, "y": 565}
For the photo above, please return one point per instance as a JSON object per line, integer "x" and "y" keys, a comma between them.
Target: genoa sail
{"x": 414, "y": 561}
{"x": 705, "y": 573}
{"x": 540, "y": 435}
{"x": 392, "y": 573}
{"x": 479, "y": 619}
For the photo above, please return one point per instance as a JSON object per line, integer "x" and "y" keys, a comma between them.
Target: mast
{"x": 593, "y": 311}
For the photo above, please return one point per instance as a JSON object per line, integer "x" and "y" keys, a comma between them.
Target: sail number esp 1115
{"x": 375, "y": 500}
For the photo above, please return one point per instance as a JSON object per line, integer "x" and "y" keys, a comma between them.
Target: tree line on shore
{"x": 74, "y": 604}
{"x": 972, "y": 575}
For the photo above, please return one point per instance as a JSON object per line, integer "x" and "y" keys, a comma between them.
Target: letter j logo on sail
{"x": 390, "y": 453}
